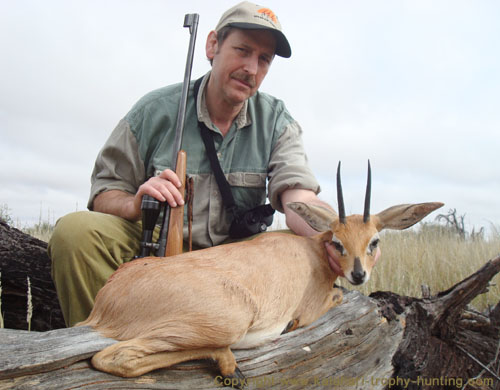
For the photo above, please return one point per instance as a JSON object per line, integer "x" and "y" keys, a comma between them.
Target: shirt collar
{"x": 243, "y": 118}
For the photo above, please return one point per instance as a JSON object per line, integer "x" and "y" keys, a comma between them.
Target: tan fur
{"x": 355, "y": 235}
{"x": 130, "y": 358}
{"x": 200, "y": 304}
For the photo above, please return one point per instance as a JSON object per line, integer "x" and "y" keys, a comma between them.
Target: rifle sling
{"x": 220, "y": 178}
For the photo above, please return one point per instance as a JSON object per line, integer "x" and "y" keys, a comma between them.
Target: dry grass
{"x": 42, "y": 231}
{"x": 434, "y": 256}
{"x": 29, "y": 304}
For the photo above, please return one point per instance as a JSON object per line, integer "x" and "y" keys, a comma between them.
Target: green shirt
{"x": 263, "y": 144}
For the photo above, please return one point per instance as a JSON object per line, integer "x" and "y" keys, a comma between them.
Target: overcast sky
{"x": 414, "y": 86}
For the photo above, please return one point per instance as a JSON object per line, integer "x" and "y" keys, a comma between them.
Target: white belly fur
{"x": 259, "y": 337}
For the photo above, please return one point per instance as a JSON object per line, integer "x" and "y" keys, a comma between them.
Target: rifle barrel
{"x": 191, "y": 21}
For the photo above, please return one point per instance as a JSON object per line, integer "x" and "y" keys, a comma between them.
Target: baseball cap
{"x": 246, "y": 15}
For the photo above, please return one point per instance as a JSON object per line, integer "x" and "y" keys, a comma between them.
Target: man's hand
{"x": 333, "y": 259}
{"x": 164, "y": 187}
{"x": 293, "y": 220}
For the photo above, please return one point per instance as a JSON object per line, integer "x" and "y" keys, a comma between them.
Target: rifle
{"x": 171, "y": 233}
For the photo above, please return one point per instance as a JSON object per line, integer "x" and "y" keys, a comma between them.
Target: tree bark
{"x": 352, "y": 343}
{"x": 23, "y": 256}
{"x": 445, "y": 339}
{"x": 376, "y": 342}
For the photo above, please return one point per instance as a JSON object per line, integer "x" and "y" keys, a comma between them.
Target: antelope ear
{"x": 404, "y": 215}
{"x": 317, "y": 217}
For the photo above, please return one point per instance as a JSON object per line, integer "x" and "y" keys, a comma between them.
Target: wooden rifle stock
{"x": 176, "y": 222}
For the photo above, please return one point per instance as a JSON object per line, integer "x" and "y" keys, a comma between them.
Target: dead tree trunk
{"x": 23, "y": 256}
{"x": 443, "y": 340}
{"x": 352, "y": 341}
{"x": 377, "y": 342}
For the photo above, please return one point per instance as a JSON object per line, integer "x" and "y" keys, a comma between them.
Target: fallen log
{"x": 375, "y": 342}
{"x": 21, "y": 257}
{"x": 350, "y": 342}
{"x": 445, "y": 339}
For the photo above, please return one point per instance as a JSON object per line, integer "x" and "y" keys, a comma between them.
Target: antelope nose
{"x": 358, "y": 274}
{"x": 358, "y": 277}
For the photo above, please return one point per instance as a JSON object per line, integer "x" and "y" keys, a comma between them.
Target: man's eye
{"x": 265, "y": 60}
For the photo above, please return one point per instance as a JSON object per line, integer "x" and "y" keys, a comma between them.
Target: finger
{"x": 377, "y": 255}
{"x": 168, "y": 191}
{"x": 154, "y": 192}
{"x": 173, "y": 191}
{"x": 154, "y": 187}
{"x": 330, "y": 249}
{"x": 162, "y": 190}
{"x": 333, "y": 259}
{"x": 171, "y": 194}
{"x": 171, "y": 176}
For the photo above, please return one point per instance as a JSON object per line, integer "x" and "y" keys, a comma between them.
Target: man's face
{"x": 240, "y": 63}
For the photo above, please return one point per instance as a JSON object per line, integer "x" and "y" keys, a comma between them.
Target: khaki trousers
{"x": 86, "y": 247}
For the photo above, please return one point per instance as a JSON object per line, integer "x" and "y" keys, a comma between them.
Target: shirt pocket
{"x": 248, "y": 188}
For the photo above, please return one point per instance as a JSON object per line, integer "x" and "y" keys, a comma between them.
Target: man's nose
{"x": 251, "y": 65}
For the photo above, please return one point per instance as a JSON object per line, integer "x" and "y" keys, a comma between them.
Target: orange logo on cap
{"x": 269, "y": 13}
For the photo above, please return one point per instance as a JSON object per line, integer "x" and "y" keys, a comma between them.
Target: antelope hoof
{"x": 236, "y": 380}
{"x": 337, "y": 297}
{"x": 292, "y": 325}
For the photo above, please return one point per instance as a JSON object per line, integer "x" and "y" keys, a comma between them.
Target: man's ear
{"x": 211, "y": 45}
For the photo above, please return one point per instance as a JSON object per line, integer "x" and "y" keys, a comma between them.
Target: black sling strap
{"x": 220, "y": 178}
{"x": 245, "y": 222}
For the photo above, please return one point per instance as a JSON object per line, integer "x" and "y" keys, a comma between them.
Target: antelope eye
{"x": 374, "y": 244}
{"x": 338, "y": 246}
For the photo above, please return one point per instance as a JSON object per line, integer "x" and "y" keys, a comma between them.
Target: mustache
{"x": 246, "y": 78}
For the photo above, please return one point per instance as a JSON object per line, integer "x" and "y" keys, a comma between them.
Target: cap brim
{"x": 283, "y": 48}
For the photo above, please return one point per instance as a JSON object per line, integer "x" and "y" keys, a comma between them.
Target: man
{"x": 255, "y": 137}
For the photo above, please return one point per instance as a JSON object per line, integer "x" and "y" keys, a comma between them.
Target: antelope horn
{"x": 366, "y": 214}
{"x": 340, "y": 198}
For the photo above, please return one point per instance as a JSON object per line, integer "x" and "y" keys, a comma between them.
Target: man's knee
{"x": 69, "y": 233}
{"x": 71, "y": 229}
{"x": 81, "y": 260}
{"x": 92, "y": 236}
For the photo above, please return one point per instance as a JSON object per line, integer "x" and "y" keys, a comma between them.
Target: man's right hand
{"x": 164, "y": 187}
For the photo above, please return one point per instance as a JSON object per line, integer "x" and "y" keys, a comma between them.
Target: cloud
{"x": 414, "y": 86}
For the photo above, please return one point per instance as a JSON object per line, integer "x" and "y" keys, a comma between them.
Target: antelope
{"x": 203, "y": 304}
